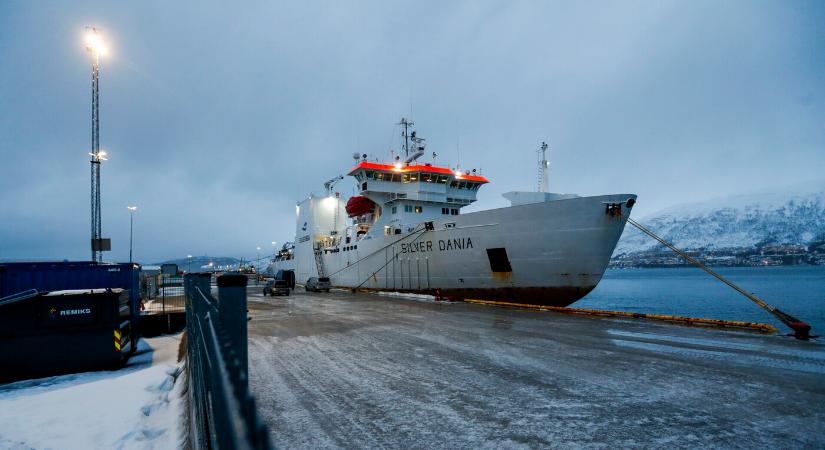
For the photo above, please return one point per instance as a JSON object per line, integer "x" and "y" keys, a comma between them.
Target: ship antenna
{"x": 406, "y": 134}
{"x": 544, "y": 168}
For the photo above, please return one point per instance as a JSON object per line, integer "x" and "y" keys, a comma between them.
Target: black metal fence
{"x": 162, "y": 294}
{"x": 222, "y": 411}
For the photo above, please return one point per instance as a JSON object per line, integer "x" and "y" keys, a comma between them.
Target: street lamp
{"x": 95, "y": 46}
{"x": 132, "y": 210}
{"x": 189, "y": 266}
{"x": 274, "y": 249}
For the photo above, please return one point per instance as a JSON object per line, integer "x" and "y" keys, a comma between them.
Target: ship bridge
{"x": 407, "y": 194}
{"x": 386, "y": 183}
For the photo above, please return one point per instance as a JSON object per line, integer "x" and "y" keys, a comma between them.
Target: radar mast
{"x": 544, "y": 169}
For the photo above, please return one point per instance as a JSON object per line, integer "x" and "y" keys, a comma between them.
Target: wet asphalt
{"x": 345, "y": 370}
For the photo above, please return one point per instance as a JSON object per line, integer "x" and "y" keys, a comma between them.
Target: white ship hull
{"x": 556, "y": 253}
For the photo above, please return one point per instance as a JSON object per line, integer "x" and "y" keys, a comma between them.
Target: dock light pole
{"x": 189, "y": 264}
{"x": 132, "y": 210}
{"x": 95, "y": 46}
{"x": 274, "y": 249}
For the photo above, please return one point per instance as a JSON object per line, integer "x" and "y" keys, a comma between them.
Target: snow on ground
{"x": 406, "y": 295}
{"x": 136, "y": 407}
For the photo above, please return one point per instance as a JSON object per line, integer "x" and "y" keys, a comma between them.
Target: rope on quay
{"x": 801, "y": 330}
{"x": 761, "y": 327}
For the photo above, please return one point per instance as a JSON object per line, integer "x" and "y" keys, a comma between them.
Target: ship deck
{"x": 361, "y": 370}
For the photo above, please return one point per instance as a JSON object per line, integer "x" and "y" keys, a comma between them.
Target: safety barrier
{"x": 221, "y": 411}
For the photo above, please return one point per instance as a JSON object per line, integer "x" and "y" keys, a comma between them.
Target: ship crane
{"x": 328, "y": 185}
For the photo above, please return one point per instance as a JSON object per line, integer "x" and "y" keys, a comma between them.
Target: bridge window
{"x": 408, "y": 208}
{"x": 442, "y": 179}
{"x": 394, "y": 209}
{"x": 454, "y": 211}
{"x": 425, "y": 177}
{"x": 445, "y": 211}
{"x": 418, "y": 209}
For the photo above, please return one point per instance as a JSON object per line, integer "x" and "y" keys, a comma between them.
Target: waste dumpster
{"x": 17, "y": 277}
{"x": 64, "y": 331}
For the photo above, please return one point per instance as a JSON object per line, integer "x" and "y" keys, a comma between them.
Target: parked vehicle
{"x": 317, "y": 284}
{"x": 288, "y": 276}
{"x": 276, "y": 287}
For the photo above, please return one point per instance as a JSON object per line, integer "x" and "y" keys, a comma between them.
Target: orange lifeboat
{"x": 359, "y": 205}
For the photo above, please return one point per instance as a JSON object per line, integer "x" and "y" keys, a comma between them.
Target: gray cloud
{"x": 218, "y": 118}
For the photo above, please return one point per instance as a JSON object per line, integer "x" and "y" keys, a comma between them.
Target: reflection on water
{"x": 797, "y": 290}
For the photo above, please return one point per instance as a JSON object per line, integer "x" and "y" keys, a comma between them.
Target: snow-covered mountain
{"x": 736, "y": 222}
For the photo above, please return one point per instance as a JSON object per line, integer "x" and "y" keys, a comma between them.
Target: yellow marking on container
{"x": 761, "y": 327}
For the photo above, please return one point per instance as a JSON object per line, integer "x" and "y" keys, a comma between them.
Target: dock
{"x": 359, "y": 370}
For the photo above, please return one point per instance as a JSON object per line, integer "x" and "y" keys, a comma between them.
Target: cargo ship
{"x": 406, "y": 231}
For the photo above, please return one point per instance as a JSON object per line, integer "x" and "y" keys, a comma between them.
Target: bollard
{"x": 232, "y": 309}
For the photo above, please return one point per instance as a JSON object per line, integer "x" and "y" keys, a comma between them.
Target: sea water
{"x": 796, "y": 290}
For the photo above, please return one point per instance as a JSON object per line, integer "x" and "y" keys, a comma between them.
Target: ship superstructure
{"x": 405, "y": 231}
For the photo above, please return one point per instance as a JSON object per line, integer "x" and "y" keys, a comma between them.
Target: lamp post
{"x": 132, "y": 210}
{"x": 95, "y": 46}
{"x": 189, "y": 264}
{"x": 274, "y": 249}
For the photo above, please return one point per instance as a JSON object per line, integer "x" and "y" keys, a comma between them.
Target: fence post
{"x": 232, "y": 308}
{"x": 204, "y": 282}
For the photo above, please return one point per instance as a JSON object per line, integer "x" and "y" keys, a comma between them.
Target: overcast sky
{"x": 217, "y": 118}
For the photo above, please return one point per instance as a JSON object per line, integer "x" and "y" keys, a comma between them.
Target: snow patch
{"x": 138, "y": 406}
{"x": 407, "y": 295}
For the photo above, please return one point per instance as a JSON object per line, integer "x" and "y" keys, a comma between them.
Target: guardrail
{"x": 222, "y": 412}
{"x": 162, "y": 294}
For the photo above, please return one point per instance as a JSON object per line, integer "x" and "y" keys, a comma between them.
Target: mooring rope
{"x": 800, "y": 328}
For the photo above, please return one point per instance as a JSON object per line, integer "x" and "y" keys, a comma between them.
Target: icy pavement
{"x": 136, "y": 407}
{"x": 363, "y": 371}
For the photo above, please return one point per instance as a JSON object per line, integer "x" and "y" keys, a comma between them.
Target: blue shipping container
{"x": 55, "y": 276}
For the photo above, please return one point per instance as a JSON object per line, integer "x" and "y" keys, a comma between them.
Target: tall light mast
{"x": 544, "y": 169}
{"x": 94, "y": 45}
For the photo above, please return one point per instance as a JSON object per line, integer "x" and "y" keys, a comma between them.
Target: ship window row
{"x": 344, "y": 249}
{"x": 449, "y": 211}
{"x": 415, "y": 209}
{"x": 416, "y": 177}
{"x": 463, "y": 201}
{"x": 465, "y": 185}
